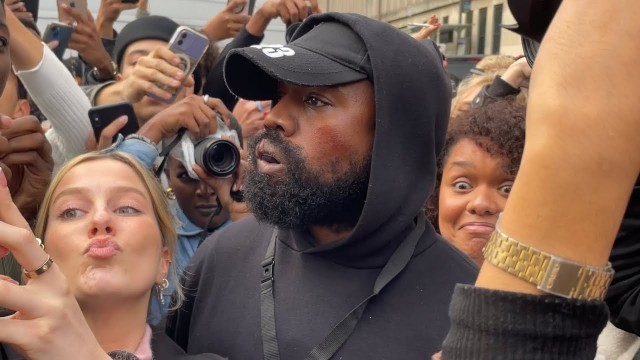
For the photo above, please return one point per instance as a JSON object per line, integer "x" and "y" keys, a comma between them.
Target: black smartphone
{"x": 130, "y": 1}
{"x": 101, "y": 116}
{"x": 59, "y": 32}
{"x": 32, "y": 7}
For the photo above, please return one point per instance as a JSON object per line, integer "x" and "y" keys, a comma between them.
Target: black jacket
{"x": 317, "y": 285}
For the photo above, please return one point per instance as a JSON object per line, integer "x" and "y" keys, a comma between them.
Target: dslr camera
{"x": 217, "y": 153}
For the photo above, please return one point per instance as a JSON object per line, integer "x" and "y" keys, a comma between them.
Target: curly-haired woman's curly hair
{"x": 498, "y": 127}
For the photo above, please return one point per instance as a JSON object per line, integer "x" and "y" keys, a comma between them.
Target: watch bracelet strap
{"x": 551, "y": 274}
{"x": 114, "y": 72}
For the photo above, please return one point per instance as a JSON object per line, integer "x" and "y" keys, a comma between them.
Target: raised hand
{"x": 227, "y": 23}
{"x": 86, "y": 40}
{"x": 28, "y": 155}
{"x": 193, "y": 113}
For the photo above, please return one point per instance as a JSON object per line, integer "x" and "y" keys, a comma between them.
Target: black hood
{"x": 412, "y": 99}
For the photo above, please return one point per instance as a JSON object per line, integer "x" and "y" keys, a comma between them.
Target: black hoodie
{"x": 316, "y": 286}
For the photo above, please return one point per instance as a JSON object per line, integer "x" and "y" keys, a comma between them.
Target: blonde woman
{"x": 106, "y": 228}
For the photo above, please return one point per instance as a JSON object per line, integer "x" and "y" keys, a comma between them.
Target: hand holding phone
{"x": 59, "y": 32}
{"x": 189, "y": 45}
{"x": 79, "y": 5}
{"x": 243, "y": 9}
{"x": 102, "y": 116}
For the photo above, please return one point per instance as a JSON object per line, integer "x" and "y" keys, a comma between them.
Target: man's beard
{"x": 298, "y": 198}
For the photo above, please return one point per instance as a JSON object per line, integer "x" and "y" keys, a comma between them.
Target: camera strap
{"x": 166, "y": 150}
{"x": 341, "y": 332}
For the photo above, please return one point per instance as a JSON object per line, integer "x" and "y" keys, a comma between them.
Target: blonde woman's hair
{"x": 471, "y": 84}
{"x": 496, "y": 64}
{"x": 158, "y": 201}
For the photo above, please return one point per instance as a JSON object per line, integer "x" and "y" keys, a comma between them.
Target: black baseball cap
{"x": 327, "y": 54}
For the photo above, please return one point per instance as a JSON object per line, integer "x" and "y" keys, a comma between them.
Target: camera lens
{"x": 184, "y": 35}
{"x": 217, "y": 157}
{"x": 180, "y": 42}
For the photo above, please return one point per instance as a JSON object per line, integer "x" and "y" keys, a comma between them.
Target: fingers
{"x": 315, "y": 8}
{"x": 205, "y": 118}
{"x": 53, "y": 44}
{"x": 220, "y": 108}
{"x": 73, "y": 13}
{"x": 23, "y": 245}
{"x": 5, "y": 122}
{"x": 107, "y": 134}
{"x": 21, "y": 126}
{"x": 17, "y": 7}
{"x": 9, "y": 213}
{"x": 232, "y": 5}
{"x": 91, "y": 144}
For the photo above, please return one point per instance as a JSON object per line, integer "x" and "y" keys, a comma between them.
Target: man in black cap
{"x": 338, "y": 261}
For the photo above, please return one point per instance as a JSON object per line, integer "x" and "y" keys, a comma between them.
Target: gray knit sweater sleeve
{"x": 491, "y": 324}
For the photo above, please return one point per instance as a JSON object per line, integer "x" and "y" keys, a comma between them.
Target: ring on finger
{"x": 205, "y": 98}
{"x": 74, "y": 25}
{"x": 40, "y": 270}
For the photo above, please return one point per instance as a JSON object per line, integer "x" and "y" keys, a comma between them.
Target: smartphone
{"x": 130, "y": 1}
{"x": 32, "y": 7}
{"x": 103, "y": 115}
{"x": 79, "y": 5}
{"x": 59, "y": 32}
{"x": 246, "y": 9}
{"x": 190, "y": 46}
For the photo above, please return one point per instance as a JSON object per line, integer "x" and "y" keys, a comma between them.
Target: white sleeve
{"x": 61, "y": 100}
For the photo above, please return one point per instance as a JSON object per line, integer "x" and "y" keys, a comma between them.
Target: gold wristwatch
{"x": 549, "y": 273}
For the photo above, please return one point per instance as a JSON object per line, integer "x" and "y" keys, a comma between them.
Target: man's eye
{"x": 126, "y": 210}
{"x": 314, "y": 101}
{"x": 462, "y": 185}
{"x": 4, "y": 42}
{"x": 71, "y": 214}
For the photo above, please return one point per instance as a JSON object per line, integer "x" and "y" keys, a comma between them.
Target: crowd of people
{"x": 377, "y": 209}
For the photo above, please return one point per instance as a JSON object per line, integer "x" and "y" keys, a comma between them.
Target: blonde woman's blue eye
{"x": 127, "y": 210}
{"x": 71, "y": 214}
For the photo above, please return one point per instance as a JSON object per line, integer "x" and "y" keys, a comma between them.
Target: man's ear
{"x": 118, "y": 77}
{"x": 23, "y": 108}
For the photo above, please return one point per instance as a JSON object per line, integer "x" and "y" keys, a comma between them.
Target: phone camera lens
{"x": 72, "y": 4}
{"x": 180, "y": 42}
{"x": 184, "y": 35}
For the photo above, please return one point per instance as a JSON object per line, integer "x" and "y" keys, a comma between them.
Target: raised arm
{"x": 580, "y": 162}
{"x": 52, "y": 87}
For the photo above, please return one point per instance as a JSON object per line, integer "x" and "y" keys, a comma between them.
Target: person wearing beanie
{"x": 338, "y": 261}
{"x": 143, "y": 40}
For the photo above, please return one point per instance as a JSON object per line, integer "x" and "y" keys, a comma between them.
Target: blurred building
{"x": 469, "y": 27}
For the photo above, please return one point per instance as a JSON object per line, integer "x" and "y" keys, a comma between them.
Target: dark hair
{"x": 498, "y": 127}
